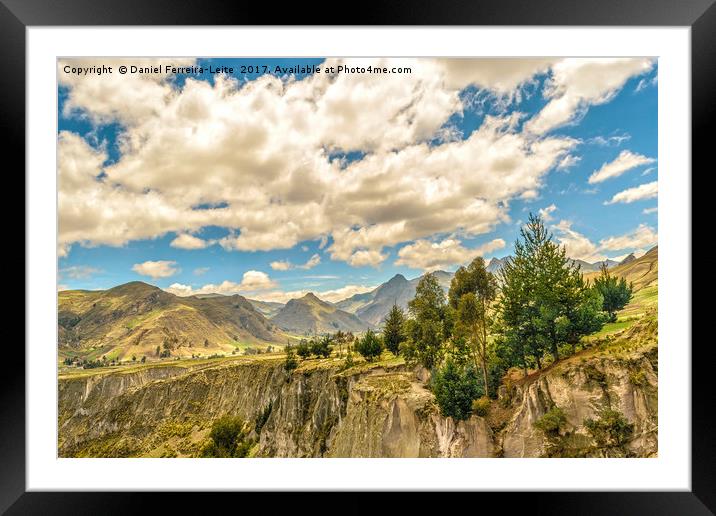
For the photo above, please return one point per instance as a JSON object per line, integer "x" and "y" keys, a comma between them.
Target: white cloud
{"x": 108, "y": 97}
{"x": 264, "y": 151}
{"x": 200, "y": 271}
{"x": 642, "y": 237}
{"x": 258, "y": 285}
{"x": 332, "y": 296}
{"x": 187, "y": 241}
{"x": 311, "y": 263}
{"x": 645, "y": 83}
{"x": 568, "y": 162}
{"x": 648, "y": 171}
{"x": 546, "y": 213}
{"x": 158, "y": 269}
{"x": 577, "y": 245}
{"x": 281, "y": 265}
{"x": 285, "y": 265}
{"x": 649, "y": 211}
{"x": 252, "y": 281}
{"x": 580, "y": 247}
{"x": 363, "y": 257}
{"x": 638, "y": 193}
{"x": 578, "y": 83}
{"x": 78, "y": 272}
{"x": 626, "y": 160}
{"x": 609, "y": 141}
{"x": 428, "y": 256}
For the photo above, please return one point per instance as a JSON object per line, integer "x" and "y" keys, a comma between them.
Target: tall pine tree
{"x": 394, "y": 329}
{"x": 541, "y": 289}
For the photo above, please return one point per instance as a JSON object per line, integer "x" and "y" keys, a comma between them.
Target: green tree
{"x": 540, "y": 286}
{"x": 615, "y": 291}
{"x": 144, "y": 359}
{"x": 369, "y": 346}
{"x": 157, "y": 351}
{"x": 322, "y": 347}
{"x": 582, "y": 319}
{"x": 472, "y": 291}
{"x": 394, "y": 330}
{"x": 455, "y": 387}
{"x": 303, "y": 349}
{"x": 290, "y": 363}
{"x": 428, "y": 326}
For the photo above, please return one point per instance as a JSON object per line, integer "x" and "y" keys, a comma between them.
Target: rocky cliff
{"x": 370, "y": 410}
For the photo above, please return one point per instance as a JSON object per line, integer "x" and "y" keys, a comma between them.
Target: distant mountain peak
{"x": 311, "y": 297}
{"x": 628, "y": 259}
{"x": 398, "y": 277}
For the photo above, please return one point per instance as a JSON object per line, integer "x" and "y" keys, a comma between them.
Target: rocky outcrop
{"x": 315, "y": 412}
{"x": 618, "y": 378}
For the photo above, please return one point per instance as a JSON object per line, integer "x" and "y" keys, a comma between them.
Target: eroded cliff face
{"x": 620, "y": 377}
{"x": 317, "y": 411}
{"x": 383, "y": 410}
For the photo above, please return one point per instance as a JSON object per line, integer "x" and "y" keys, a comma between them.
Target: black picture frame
{"x": 700, "y": 15}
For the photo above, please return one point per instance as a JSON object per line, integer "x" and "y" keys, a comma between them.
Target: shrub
{"x": 369, "y": 346}
{"x": 610, "y": 429}
{"x": 455, "y": 387}
{"x": 637, "y": 378}
{"x": 551, "y": 422}
{"x": 303, "y": 350}
{"x": 228, "y": 438}
{"x": 481, "y": 406}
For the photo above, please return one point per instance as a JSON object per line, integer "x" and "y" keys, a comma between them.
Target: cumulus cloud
{"x": 429, "y": 256}
{"x": 576, "y": 84}
{"x": 642, "y": 237}
{"x": 638, "y": 193}
{"x": 252, "y": 281}
{"x": 626, "y": 160}
{"x": 259, "y": 158}
{"x": 580, "y": 247}
{"x": 187, "y": 241}
{"x": 109, "y": 97}
{"x": 158, "y": 269}
{"x": 285, "y": 265}
{"x": 577, "y": 245}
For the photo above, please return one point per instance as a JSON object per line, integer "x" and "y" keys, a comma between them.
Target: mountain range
{"x": 135, "y": 318}
{"x": 374, "y": 306}
{"x": 310, "y": 315}
{"x": 642, "y": 272}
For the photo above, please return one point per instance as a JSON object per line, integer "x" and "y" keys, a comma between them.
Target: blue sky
{"x": 181, "y": 181}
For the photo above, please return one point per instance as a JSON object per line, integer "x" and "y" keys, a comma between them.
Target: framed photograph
{"x": 415, "y": 256}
